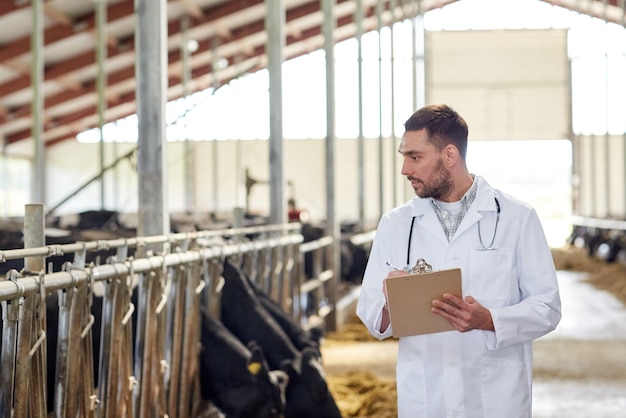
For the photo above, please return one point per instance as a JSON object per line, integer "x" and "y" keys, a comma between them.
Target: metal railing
{"x": 602, "y": 238}
{"x": 148, "y": 330}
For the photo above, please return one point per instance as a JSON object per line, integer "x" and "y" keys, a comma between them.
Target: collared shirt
{"x": 450, "y": 215}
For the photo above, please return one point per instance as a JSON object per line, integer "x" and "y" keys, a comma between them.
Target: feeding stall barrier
{"x": 141, "y": 310}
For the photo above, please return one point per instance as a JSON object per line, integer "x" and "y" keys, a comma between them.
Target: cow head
{"x": 271, "y": 385}
{"x": 237, "y": 378}
{"x": 307, "y": 392}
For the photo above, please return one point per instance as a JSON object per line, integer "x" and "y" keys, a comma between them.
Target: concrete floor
{"x": 587, "y": 353}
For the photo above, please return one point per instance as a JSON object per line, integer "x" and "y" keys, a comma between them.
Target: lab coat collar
{"x": 485, "y": 198}
{"x": 483, "y": 202}
{"x": 425, "y": 215}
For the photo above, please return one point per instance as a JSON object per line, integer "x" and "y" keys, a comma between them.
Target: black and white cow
{"x": 245, "y": 316}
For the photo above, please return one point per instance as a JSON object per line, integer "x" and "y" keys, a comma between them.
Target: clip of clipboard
{"x": 410, "y": 300}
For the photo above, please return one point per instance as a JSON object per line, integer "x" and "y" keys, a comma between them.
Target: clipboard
{"x": 410, "y": 300}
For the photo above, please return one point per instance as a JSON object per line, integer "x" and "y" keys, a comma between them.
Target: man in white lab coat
{"x": 483, "y": 369}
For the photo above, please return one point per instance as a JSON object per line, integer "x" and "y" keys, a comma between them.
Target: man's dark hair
{"x": 443, "y": 125}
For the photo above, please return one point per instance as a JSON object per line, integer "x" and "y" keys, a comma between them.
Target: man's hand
{"x": 464, "y": 315}
{"x": 384, "y": 324}
{"x": 392, "y": 273}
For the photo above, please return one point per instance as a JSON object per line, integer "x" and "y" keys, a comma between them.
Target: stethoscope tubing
{"x": 483, "y": 248}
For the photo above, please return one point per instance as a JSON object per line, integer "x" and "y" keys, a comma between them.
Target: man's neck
{"x": 460, "y": 188}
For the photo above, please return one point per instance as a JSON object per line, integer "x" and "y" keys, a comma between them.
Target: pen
{"x": 392, "y": 266}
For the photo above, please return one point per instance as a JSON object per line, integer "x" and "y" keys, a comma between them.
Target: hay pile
{"x": 352, "y": 331}
{"x": 606, "y": 276}
{"x": 363, "y": 394}
{"x": 360, "y": 393}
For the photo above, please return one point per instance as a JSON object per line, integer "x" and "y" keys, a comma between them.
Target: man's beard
{"x": 438, "y": 185}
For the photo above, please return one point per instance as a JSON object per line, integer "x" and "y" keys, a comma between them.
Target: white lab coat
{"x": 476, "y": 374}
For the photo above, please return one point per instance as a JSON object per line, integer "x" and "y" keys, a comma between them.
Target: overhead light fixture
{"x": 192, "y": 45}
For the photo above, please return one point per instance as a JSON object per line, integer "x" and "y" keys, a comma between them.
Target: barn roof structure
{"x": 226, "y": 32}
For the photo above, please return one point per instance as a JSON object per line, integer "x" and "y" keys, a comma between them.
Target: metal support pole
{"x": 151, "y": 74}
{"x": 607, "y": 140}
{"x": 576, "y": 174}
{"x": 419, "y": 87}
{"x": 623, "y": 213}
{"x": 414, "y": 50}
{"x": 216, "y": 84}
{"x": 576, "y": 147}
{"x": 358, "y": 18}
{"x": 38, "y": 183}
{"x": 394, "y": 160}
{"x": 417, "y": 28}
{"x": 608, "y": 165}
{"x": 328, "y": 27}
{"x": 190, "y": 161}
{"x": 593, "y": 177}
{"x": 275, "y": 28}
{"x": 151, "y": 77}
{"x": 101, "y": 53}
{"x": 381, "y": 165}
{"x": 34, "y": 236}
{"x": 421, "y": 57}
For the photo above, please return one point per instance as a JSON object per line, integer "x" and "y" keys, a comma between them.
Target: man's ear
{"x": 450, "y": 155}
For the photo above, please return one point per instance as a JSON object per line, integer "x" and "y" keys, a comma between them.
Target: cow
{"x": 300, "y": 337}
{"x": 242, "y": 312}
{"x": 353, "y": 258}
{"x": 237, "y": 378}
{"x": 353, "y": 271}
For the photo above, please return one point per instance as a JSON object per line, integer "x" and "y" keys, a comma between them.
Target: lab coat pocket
{"x": 492, "y": 276}
{"x": 411, "y": 384}
{"x": 505, "y": 389}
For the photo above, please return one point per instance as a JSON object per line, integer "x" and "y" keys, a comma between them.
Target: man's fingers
{"x": 470, "y": 299}
{"x": 452, "y": 300}
{"x": 445, "y": 306}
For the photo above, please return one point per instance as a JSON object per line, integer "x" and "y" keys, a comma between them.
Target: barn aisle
{"x": 580, "y": 369}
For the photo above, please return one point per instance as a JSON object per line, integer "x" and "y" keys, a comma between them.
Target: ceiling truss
{"x": 229, "y": 32}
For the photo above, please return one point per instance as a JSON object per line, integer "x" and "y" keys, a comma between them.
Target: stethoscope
{"x": 480, "y": 238}
{"x": 495, "y": 230}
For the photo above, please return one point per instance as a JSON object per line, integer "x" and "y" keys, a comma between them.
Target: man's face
{"x": 423, "y": 166}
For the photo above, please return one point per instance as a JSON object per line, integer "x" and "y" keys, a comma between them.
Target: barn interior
{"x": 154, "y": 138}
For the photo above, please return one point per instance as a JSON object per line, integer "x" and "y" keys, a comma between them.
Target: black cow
{"x": 353, "y": 270}
{"x": 11, "y": 238}
{"x": 245, "y": 316}
{"x": 238, "y": 379}
{"x": 353, "y": 258}
{"x": 300, "y": 337}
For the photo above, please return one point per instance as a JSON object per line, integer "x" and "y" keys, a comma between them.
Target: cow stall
{"x": 601, "y": 238}
{"x": 118, "y": 335}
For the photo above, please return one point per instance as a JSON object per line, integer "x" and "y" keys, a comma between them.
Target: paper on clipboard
{"x": 410, "y": 300}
